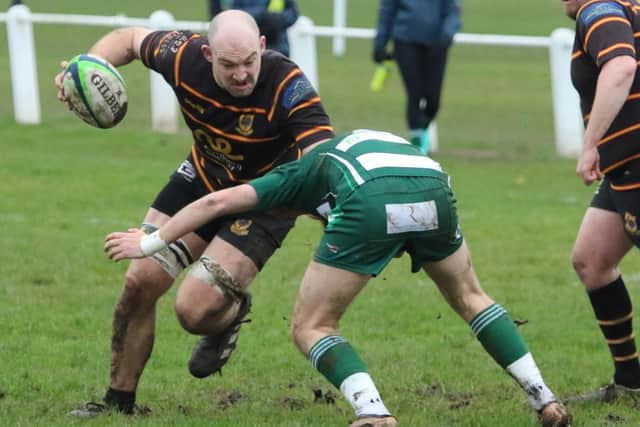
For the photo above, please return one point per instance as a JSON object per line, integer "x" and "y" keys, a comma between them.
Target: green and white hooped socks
{"x": 339, "y": 363}
{"x": 497, "y": 333}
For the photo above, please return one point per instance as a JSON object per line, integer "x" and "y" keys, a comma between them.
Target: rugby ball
{"x": 95, "y": 90}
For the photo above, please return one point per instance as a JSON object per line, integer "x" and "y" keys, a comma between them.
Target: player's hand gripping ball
{"x": 95, "y": 90}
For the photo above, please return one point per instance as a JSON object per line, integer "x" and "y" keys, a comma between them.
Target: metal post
{"x": 24, "y": 78}
{"x": 164, "y": 111}
{"x": 569, "y": 127}
{"x": 303, "y": 48}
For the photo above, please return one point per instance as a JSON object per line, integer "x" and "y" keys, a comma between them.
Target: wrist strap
{"x": 152, "y": 243}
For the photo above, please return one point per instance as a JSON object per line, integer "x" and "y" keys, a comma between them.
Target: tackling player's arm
{"x": 119, "y": 47}
{"x": 136, "y": 244}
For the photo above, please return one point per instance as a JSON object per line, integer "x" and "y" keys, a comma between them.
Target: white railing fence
{"x": 26, "y": 100}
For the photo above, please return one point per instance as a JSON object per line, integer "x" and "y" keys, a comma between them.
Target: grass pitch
{"x": 65, "y": 185}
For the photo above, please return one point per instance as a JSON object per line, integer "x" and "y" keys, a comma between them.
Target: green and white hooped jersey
{"x": 324, "y": 177}
{"x": 368, "y": 154}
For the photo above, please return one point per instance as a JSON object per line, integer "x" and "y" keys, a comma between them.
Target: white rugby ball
{"x": 96, "y": 91}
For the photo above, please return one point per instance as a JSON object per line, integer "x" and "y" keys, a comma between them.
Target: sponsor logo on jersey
{"x": 599, "y": 10}
{"x": 245, "y": 124}
{"x": 241, "y": 227}
{"x": 187, "y": 170}
{"x": 631, "y": 225}
{"x": 296, "y": 91}
{"x": 172, "y": 42}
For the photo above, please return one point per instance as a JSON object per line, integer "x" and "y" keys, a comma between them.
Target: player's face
{"x": 236, "y": 67}
{"x": 571, "y": 7}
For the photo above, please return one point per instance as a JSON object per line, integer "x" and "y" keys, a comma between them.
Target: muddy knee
{"x": 206, "y": 296}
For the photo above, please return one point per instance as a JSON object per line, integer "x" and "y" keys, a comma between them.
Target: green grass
{"x": 65, "y": 185}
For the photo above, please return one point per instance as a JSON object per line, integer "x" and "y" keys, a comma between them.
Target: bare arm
{"x": 130, "y": 244}
{"x": 612, "y": 90}
{"x": 119, "y": 47}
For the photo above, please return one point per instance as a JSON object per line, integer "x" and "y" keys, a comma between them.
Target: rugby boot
{"x": 95, "y": 409}
{"x": 375, "y": 421}
{"x": 554, "y": 414}
{"x": 212, "y": 352}
{"x": 606, "y": 394}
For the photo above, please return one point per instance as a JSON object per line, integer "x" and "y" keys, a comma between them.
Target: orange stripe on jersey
{"x": 620, "y": 163}
{"x": 228, "y": 135}
{"x": 633, "y": 96}
{"x": 617, "y": 134}
{"x": 176, "y": 64}
{"x": 577, "y": 54}
{"x": 602, "y": 22}
{"x": 616, "y": 46}
{"x": 280, "y": 86}
{"x": 217, "y": 104}
{"x": 196, "y": 161}
{"x": 157, "y": 50}
{"x": 312, "y": 131}
{"x": 312, "y": 101}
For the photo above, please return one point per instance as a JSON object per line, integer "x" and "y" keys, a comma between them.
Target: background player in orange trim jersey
{"x": 249, "y": 110}
{"x": 604, "y": 71}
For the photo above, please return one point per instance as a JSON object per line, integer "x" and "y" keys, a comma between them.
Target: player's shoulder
{"x": 164, "y": 43}
{"x": 274, "y": 62}
{"x": 596, "y": 10}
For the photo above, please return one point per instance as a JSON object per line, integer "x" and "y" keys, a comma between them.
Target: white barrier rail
{"x": 567, "y": 118}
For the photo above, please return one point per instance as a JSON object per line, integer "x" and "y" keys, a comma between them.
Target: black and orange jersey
{"x": 237, "y": 139}
{"x": 606, "y": 29}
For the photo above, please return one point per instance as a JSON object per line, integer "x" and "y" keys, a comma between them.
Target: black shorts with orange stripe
{"x": 625, "y": 202}
{"x": 256, "y": 235}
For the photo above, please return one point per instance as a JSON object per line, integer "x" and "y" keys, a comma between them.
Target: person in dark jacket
{"x": 274, "y": 17}
{"x": 422, "y": 31}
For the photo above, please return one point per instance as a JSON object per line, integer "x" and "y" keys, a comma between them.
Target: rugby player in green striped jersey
{"x": 378, "y": 197}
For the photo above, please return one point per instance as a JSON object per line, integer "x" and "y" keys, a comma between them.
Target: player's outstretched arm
{"x": 135, "y": 244}
{"x": 120, "y": 46}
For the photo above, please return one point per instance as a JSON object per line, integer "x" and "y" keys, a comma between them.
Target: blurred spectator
{"x": 422, "y": 31}
{"x": 273, "y": 18}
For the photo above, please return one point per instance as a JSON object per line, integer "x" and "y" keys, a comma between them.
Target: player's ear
{"x": 206, "y": 52}
{"x": 263, "y": 43}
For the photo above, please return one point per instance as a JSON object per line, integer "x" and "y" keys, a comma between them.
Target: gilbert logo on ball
{"x": 96, "y": 91}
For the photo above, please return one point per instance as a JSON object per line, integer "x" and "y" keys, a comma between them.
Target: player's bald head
{"x": 233, "y": 25}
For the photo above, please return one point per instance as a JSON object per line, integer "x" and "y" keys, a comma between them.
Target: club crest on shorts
{"x": 631, "y": 224}
{"x": 241, "y": 227}
{"x": 245, "y": 124}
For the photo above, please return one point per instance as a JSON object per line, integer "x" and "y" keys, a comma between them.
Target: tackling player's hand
{"x": 588, "y": 169}
{"x": 124, "y": 245}
{"x": 57, "y": 80}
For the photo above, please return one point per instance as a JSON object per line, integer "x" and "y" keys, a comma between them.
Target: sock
{"x": 420, "y": 138}
{"x": 339, "y": 363}
{"x": 498, "y": 335}
{"x": 123, "y": 401}
{"x": 526, "y": 373}
{"x": 500, "y": 338}
{"x": 612, "y": 307}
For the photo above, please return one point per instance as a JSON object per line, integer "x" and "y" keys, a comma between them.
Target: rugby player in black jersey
{"x": 249, "y": 110}
{"x": 604, "y": 71}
